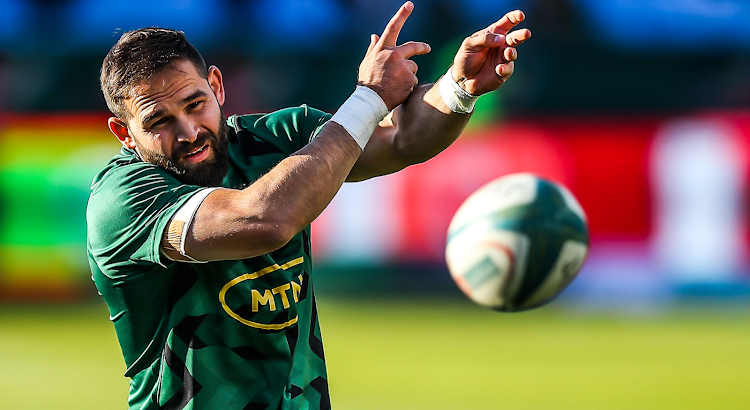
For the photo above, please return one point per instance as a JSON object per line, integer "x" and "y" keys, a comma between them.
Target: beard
{"x": 210, "y": 172}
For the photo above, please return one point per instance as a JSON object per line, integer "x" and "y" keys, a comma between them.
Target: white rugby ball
{"x": 517, "y": 242}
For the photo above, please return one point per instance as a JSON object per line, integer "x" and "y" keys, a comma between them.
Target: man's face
{"x": 177, "y": 123}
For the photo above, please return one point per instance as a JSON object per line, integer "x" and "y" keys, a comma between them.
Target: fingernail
{"x": 499, "y": 38}
{"x": 408, "y": 5}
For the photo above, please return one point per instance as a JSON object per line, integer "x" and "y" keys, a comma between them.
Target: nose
{"x": 188, "y": 131}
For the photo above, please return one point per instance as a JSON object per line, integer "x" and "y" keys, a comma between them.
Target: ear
{"x": 120, "y": 129}
{"x": 216, "y": 82}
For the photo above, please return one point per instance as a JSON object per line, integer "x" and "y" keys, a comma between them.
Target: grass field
{"x": 427, "y": 355}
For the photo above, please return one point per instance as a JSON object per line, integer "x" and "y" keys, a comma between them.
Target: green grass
{"x": 387, "y": 354}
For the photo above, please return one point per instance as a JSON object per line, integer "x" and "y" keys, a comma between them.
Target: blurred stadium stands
{"x": 641, "y": 108}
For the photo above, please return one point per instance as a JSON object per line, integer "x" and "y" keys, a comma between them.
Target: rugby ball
{"x": 517, "y": 242}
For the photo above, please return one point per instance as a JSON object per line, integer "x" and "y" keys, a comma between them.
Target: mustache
{"x": 201, "y": 140}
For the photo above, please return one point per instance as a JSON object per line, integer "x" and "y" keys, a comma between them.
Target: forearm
{"x": 233, "y": 224}
{"x": 305, "y": 182}
{"x": 425, "y": 125}
{"x": 414, "y": 132}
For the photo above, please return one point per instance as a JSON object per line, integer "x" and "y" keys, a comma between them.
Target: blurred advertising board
{"x": 46, "y": 166}
{"x": 665, "y": 197}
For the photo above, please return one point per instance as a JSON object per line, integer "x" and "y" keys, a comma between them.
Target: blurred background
{"x": 641, "y": 108}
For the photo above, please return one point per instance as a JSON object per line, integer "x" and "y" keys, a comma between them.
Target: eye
{"x": 194, "y": 105}
{"x": 160, "y": 121}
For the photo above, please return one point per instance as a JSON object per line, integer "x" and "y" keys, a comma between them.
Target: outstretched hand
{"x": 386, "y": 68}
{"x": 485, "y": 60}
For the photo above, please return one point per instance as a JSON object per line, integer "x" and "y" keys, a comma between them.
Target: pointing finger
{"x": 507, "y": 22}
{"x": 393, "y": 28}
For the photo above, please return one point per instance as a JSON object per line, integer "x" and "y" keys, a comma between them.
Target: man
{"x": 198, "y": 231}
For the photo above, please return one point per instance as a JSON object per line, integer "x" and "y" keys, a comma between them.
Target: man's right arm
{"x": 237, "y": 224}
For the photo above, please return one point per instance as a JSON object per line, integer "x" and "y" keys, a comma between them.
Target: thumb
{"x": 413, "y": 48}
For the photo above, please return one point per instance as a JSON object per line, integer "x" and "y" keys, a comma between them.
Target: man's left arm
{"x": 428, "y": 122}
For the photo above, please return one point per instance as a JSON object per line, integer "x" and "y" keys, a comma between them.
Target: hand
{"x": 386, "y": 68}
{"x": 485, "y": 60}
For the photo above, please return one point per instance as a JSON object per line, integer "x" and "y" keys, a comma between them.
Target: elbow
{"x": 225, "y": 229}
{"x": 278, "y": 234}
{"x": 407, "y": 156}
{"x": 407, "y": 152}
{"x": 285, "y": 223}
{"x": 269, "y": 234}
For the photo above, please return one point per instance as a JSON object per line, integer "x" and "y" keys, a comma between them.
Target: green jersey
{"x": 238, "y": 334}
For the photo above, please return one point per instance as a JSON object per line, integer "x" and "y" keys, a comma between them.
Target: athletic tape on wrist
{"x": 360, "y": 114}
{"x": 455, "y": 97}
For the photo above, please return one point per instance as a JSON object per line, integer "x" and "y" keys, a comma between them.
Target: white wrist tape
{"x": 180, "y": 223}
{"x": 455, "y": 97}
{"x": 360, "y": 114}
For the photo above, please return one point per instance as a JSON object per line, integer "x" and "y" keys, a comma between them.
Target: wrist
{"x": 360, "y": 114}
{"x": 454, "y": 96}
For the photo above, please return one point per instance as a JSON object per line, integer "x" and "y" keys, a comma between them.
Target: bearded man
{"x": 199, "y": 229}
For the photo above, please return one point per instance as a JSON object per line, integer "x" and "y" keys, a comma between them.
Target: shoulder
{"x": 130, "y": 206}
{"x": 292, "y": 116}
{"x": 293, "y": 123}
{"x": 129, "y": 190}
{"x": 126, "y": 175}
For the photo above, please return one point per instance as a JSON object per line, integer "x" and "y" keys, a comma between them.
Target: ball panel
{"x": 487, "y": 263}
{"x": 573, "y": 228}
{"x": 487, "y": 278}
{"x": 498, "y": 195}
{"x": 543, "y": 253}
{"x": 569, "y": 215}
{"x": 569, "y": 262}
{"x": 571, "y": 202}
{"x": 550, "y": 222}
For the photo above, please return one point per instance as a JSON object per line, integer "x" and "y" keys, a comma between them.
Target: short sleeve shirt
{"x": 238, "y": 334}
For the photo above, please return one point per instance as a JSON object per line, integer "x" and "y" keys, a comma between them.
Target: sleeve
{"x": 179, "y": 225}
{"x": 288, "y": 129}
{"x": 314, "y": 122}
{"x": 128, "y": 211}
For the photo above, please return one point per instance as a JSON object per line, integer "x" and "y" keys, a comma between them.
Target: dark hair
{"x": 136, "y": 57}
